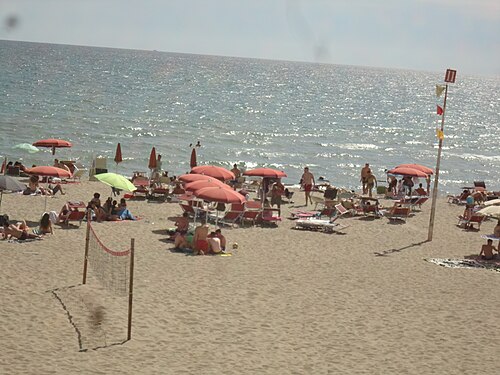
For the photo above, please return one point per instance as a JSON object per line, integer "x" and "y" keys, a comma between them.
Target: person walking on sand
{"x": 364, "y": 175}
{"x": 371, "y": 182}
{"x": 307, "y": 181}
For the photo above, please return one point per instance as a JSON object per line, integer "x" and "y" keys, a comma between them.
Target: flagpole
{"x": 438, "y": 163}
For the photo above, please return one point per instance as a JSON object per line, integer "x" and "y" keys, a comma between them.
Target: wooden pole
{"x": 131, "y": 289}
{"x": 87, "y": 241}
{"x": 436, "y": 178}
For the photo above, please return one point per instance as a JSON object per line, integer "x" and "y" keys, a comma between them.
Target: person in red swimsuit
{"x": 308, "y": 183}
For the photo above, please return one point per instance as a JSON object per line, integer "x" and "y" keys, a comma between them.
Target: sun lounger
{"x": 250, "y": 215}
{"x": 269, "y": 217}
{"x": 328, "y": 226}
{"x": 399, "y": 214}
{"x": 468, "y": 223}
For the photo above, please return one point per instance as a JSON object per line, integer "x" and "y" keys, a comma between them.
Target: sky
{"x": 428, "y": 35}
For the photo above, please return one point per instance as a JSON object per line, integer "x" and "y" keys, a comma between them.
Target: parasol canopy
{"x": 492, "y": 211}
{"x": 118, "y": 154}
{"x": 405, "y": 171}
{"x": 418, "y": 167}
{"x": 265, "y": 172}
{"x": 212, "y": 182}
{"x": 116, "y": 181}
{"x": 493, "y": 202}
{"x": 152, "y": 159}
{"x": 214, "y": 171}
{"x": 52, "y": 143}
{"x": 10, "y": 184}
{"x": 220, "y": 194}
{"x": 48, "y": 171}
{"x": 191, "y": 177}
{"x": 192, "y": 162}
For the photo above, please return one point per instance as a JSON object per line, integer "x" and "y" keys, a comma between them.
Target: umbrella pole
{"x": 1, "y": 196}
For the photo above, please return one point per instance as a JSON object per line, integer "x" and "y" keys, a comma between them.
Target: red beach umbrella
{"x": 192, "y": 162}
{"x": 152, "y": 159}
{"x": 49, "y": 171}
{"x": 265, "y": 172}
{"x": 191, "y": 177}
{"x": 418, "y": 167}
{"x": 220, "y": 194}
{"x": 118, "y": 154}
{"x": 212, "y": 182}
{"x": 214, "y": 171}
{"x": 53, "y": 143}
{"x": 405, "y": 171}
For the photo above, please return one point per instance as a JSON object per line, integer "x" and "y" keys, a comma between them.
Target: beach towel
{"x": 467, "y": 263}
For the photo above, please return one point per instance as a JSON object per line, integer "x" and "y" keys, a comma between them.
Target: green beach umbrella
{"x": 116, "y": 181}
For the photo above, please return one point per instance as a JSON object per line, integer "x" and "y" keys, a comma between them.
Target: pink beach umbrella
{"x": 191, "y": 177}
{"x": 197, "y": 185}
{"x": 214, "y": 171}
{"x": 405, "y": 171}
{"x": 418, "y": 167}
{"x": 52, "y": 143}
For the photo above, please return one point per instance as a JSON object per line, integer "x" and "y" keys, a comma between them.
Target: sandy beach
{"x": 286, "y": 302}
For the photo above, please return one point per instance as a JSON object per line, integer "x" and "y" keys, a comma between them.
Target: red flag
{"x": 439, "y": 110}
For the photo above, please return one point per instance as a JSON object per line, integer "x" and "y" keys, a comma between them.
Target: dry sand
{"x": 286, "y": 302}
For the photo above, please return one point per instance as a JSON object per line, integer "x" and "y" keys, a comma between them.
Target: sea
{"x": 252, "y": 112}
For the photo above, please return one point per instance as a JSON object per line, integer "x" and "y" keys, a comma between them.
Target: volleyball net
{"x": 113, "y": 270}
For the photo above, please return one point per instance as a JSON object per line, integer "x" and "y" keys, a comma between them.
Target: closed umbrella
{"x": 52, "y": 143}
{"x": 10, "y": 184}
{"x": 152, "y": 159}
{"x": 214, "y": 171}
{"x": 418, "y": 167}
{"x": 192, "y": 162}
{"x": 118, "y": 154}
{"x": 116, "y": 181}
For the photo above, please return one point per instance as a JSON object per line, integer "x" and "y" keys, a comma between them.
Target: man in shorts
{"x": 308, "y": 183}
{"x": 487, "y": 250}
{"x": 364, "y": 176}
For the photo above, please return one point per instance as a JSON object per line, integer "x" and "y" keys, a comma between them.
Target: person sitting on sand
{"x": 123, "y": 212}
{"x": 222, "y": 239}
{"x": 45, "y": 226}
{"x": 18, "y": 231}
{"x": 182, "y": 223}
{"x": 96, "y": 199}
{"x": 35, "y": 188}
{"x": 420, "y": 190}
{"x": 487, "y": 250}
{"x": 214, "y": 245}
{"x": 200, "y": 244}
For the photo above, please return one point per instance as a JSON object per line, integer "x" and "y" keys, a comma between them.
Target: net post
{"x": 87, "y": 241}
{"x": 130, "y": 289}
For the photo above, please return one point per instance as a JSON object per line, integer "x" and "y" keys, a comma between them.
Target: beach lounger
{"x": 328, "y": 226}
{"x": 268, "y": 216}
{"x": 250, "y": 215}
{"x": 75, "y": 216}
{"x": 399, "y": 214}
{"x": 474, "y": 219}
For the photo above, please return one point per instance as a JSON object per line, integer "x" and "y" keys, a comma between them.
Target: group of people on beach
{"x": 111, "y": 210}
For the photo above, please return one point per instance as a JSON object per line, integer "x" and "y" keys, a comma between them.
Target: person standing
{"x": 277, "y": 191}
{"x": 371, "y": 182}
{"x": 364, "y": 174}
{"x": 307, "y": 182}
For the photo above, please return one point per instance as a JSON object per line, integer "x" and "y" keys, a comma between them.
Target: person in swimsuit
{"x": 487, "y": 250}
{"x": 19, "y": 230}
{"x": 364, "y": 175}
{"x": 308, "y": 183}
{"x": 200, "y": 243}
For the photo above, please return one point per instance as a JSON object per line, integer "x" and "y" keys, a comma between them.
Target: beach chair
{"x": 419, "y": 202}
{"x": 230, "y": 218}
{"x": 142, "y": 187}
{"x": 188, "y": 208}
{"x": 467, "y": 223}
{"x": 253, "y": 205}
{"x": 75, "y": 216}
{"x": 250, "y": 215}
{"x": 399, "y": 214}
{"x": 268, "y": 216}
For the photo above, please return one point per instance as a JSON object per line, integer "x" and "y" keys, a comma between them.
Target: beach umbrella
{"x": 214, "y": 171}
{"x": 197, "y": 185}
{"x": 191, "y": 177}
{"x": 116, "y": 181}
{"x": 10, "y": 184}
{"x": 220, "y": 195}
{"x": 52, "y": 143}
{"x": 493, "y": 202}
{"x": 26, "y": 147}
{"x": 265, "y": 172}
{"x": 418, "y": 167}
{"x": 192, "y": 162}
{"x": 118, "y": 154}
{"x": 152, "y": 159}
{"x": 405, "y": 171}
{"x": 48, "y": 171}
{"x": 492, "y": 211}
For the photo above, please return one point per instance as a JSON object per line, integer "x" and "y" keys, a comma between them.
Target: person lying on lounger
{"x": 487, "y": 251}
